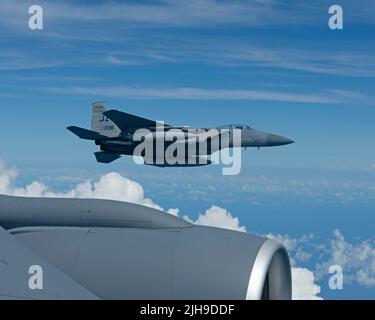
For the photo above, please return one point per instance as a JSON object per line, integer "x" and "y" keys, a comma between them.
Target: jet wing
{"x": 15, "y": 262}
{"x": 128, "y": 122}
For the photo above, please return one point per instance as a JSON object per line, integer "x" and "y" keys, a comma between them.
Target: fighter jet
{"x": 120, "y": 133}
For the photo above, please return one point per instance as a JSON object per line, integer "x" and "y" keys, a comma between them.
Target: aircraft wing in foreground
{"x": 90, "y": 249}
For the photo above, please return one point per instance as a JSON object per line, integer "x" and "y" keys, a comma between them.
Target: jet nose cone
{"x": 275, "y": 140}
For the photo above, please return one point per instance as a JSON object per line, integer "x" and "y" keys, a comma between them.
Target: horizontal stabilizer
{"x": 106, "y": 157}
{"x": 86, "y": 134}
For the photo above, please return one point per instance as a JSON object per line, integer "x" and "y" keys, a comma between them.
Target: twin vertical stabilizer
{"x": 100, "y": 123}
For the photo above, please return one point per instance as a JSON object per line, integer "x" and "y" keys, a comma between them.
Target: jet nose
{"x": 275, "y": 140}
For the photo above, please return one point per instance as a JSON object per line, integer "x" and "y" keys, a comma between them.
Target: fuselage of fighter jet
{"x": 119, "y": 133}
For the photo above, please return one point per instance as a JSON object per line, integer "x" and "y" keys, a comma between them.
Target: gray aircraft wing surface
{"x": 102, "y": 249}
{"x": 15, "y": 262}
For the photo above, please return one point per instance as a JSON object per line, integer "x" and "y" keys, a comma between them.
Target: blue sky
{"x": 271, "y": 64}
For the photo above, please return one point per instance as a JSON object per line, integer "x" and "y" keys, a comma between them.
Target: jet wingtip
{"x": 71, "y": 129}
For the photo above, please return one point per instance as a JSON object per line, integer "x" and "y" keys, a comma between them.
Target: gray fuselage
{"x": 248, "y": 138}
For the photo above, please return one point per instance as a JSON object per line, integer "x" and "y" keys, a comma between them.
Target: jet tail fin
{"x": 106, "y": 157}
{"x": 86, "y": 134}
{"x": 101, "y": 123}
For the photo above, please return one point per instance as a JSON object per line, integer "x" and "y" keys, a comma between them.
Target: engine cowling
{"x": 125, "y": 251}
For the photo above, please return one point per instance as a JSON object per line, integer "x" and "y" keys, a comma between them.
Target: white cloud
{"x": 193, "y": 13}
{"x": 119, "y": 62}
{"x": 304, "y": 287}
{"x": 341, "y": 190}
{"x": 220, "y": 218}
{"x": 302, "y": 255}
{"x": 289, "y": 243}
{"x": 303, "y": 279}
{"x": 128, "y": 26}
{"x": 112, "y": 186}
{"x": 293, "y": 246}
{"x": 6, "y": 177}
{"x": 356, "y": 260}
{"x": 116, "y": 187}
{"x": 197, "y": 94}
{"x": 174, "y": 212}
{"x": 199, "y": 13}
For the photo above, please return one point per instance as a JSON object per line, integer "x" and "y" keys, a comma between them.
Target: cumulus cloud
{"x": 303, "y": 279}
{"x": 220, "y": 218}
{"x": 6, "y": 177}
{"x": 174, "y": 212}
{"x": 114, "y": 186}
{"x": 304, "y": 286}
{"x": 294, "y": 246}
{"x": 259, "y": 189}
{"x": 111, "y": 186}
{"x": 356, "y": 260}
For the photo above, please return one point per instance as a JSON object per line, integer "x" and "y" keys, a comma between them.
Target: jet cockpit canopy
{"x": 236, "y": 126}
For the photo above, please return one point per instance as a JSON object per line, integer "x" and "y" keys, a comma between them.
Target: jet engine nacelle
{"x": 118, "y": 250}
